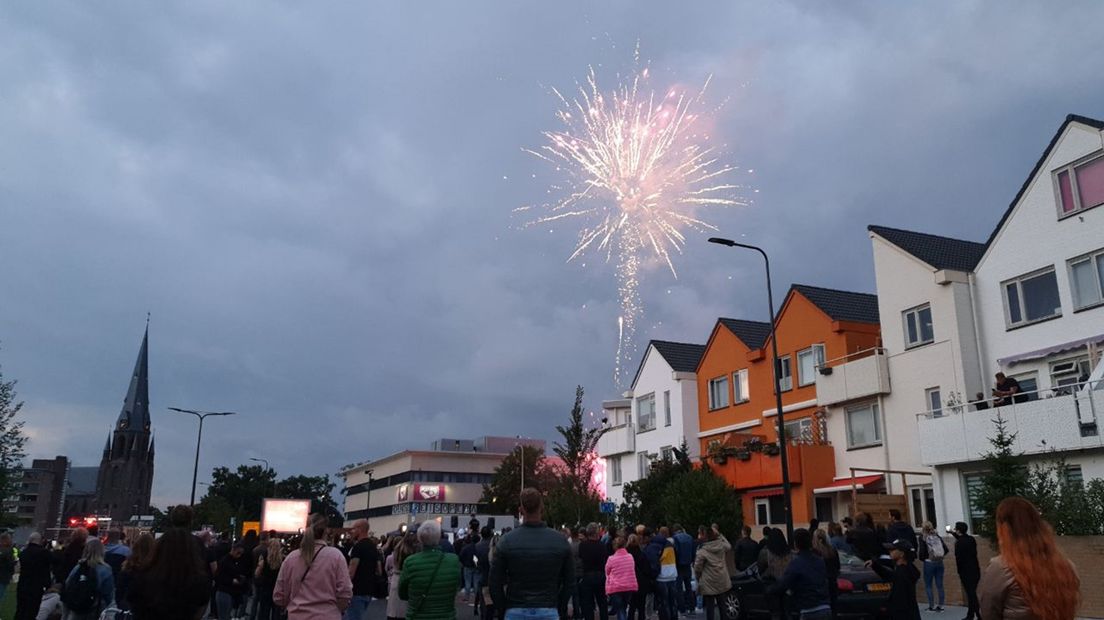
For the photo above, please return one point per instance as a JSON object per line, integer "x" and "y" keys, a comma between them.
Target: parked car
{"x": 863, "y": 594}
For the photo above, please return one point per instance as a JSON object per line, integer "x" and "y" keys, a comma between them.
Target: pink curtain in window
{"x": 1090, "y": 183}
{"x": 1066, "y": 190}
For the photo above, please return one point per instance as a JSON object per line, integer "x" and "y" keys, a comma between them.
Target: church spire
{"x": 135, "y": 415}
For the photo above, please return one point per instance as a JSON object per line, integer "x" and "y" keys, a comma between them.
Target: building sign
{"x": 404, "y": 493}
{"x": 436, "y": 508}
{"x": 429, "y": 493}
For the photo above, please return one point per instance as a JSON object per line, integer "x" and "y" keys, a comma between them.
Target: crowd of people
{"x": 533, "y": 572}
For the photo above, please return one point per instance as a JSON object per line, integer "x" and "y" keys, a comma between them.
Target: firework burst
{"x": 636, "y": 171}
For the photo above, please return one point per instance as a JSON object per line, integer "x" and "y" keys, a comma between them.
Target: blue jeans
{"x": 933, "y": 570}
{"x": 224, "y": 602}
{"x": 471, "y": 581}
{"x": 532, "y": 613}
{"x": 357, "y": 606}
{"x": 620, "y": 602}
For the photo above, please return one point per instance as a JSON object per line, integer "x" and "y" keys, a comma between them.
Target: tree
{"x": 12, "y": 441}
{"x": 243, "y": 489}
{"x": 318, "y": 489}
{"x": 700, "y": 497}
{"x": 504, "y": 491}
{"x": 1007, "y": 477}
{"x": 644, "y": 498}
{"x": 575, "y": 498}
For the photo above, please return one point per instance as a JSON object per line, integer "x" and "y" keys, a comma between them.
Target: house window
{"x": 934, "y": 401}
{"x": 644, "y": 463}
{"x": 718, "y": 393}
{"x": 667, "y": 407}
{"x": 762, "y": 512}
{"x": 1087, "y": 279}
{"x": 1066, "y": 374}
{"x": 918, "y": 326}
{"x": 769, "y": 510}
{"x": 807, "y": 363}
{"x": 863, "y": 427}
{"x": 923, "y": 506}
{"x": 799, "y": 431}
{"x": 973, "y": 483}
{"x": 740, "y": 390}
{"x": 1080, "y": 186}
{"x": 666, "y": 454}
{"x": 1074, "y": 475}
{"x": 1031, "y": 298}
{"x": 1029, "y": 384}
{"x": 645, "y": 413}
{"x": 785, "y": 375}
{"x": 614, "y": 465}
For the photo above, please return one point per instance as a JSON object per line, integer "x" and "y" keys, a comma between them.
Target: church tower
{"x": 126, "y": 471}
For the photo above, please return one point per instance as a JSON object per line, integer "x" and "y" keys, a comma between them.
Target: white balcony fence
{"x": 858, "y": 375}
{"x": 618, "y": 439}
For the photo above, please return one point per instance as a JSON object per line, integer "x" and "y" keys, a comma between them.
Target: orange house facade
{"x": 736, "y": 404}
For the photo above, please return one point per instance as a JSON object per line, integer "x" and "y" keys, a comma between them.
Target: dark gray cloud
{"x": 315, "y": 202}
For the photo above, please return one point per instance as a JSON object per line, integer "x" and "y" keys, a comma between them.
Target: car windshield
{"x": 846, "y": 559}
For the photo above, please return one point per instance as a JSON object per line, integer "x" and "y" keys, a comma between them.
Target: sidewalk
{"x": 952, "y": 612}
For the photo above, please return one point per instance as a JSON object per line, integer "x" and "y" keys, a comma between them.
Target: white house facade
{"x": 656, "y": 416}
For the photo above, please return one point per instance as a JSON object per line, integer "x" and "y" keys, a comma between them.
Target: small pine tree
{"x": 575, "y": 499}
{"x": 12, "y": 440}
{"x": 1007, "y": 477}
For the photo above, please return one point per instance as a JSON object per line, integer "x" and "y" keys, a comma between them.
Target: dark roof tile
{"x": 752, "y": 333}
{"x": 939, "y": 252}
{"x": 842, "y": 305}
{"x": 681, "y": 356}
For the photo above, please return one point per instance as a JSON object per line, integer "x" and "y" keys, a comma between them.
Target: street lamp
{"x": 788, "y": 502}
{"x": 199, "y": 438}
{"x": 267, "y": 468}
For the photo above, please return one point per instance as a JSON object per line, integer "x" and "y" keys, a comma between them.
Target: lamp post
{"x": 267, "y": 468}
{"x": 788, "y": 502}
{"x": 202, "y": 415}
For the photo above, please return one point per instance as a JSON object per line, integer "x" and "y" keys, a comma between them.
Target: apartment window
{"x": 614, "y": 465}
{"x": 923, "y": 506}
{"x": 769, "y": 510}
{"x": 644, "y": 464}
{"x": 918, "y": 326}
{"x": 807, "y": 363}
{"x": 718, "y": 393}
{"x": 1087, "y": 279}
{"x": 1080, "y": 186}
{"x": 934, "y": 401}
{"x": 666, "y": 454}
{"x": 1029, "y": 384}
{"x": 740, "y": 390}
{"x": 785, "y": 375}
{"x": 1068, "y": 373}
{"x": 645, "y": 413}
{"x": 863, "y": 426}
{"x": 1031, "y": 298}
{"x": 667, "y": 407}
{"x": 800, "y": 431}
{"x": 1074, "y": 475}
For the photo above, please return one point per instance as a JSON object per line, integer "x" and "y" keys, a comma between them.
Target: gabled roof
{"x": 680, "y": 356}
{"x": 939, "y": 252}
{"x": 751, "y": 333}
{"x": 841, "y": 305}
{"x": 1071, "y": 118}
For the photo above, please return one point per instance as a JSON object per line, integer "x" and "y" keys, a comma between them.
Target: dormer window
{"x": 1080, "y": 185}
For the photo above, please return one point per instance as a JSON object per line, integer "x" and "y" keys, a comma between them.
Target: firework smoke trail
{"x": 636, "y": 171}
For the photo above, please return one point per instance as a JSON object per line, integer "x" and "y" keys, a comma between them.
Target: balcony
{"x": 617, "y": 440}
{"x": 852, "y": 377}
{"x": 1063, "y": 422}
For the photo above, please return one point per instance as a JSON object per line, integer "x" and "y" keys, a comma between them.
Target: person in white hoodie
{"x": 661, "y": 556}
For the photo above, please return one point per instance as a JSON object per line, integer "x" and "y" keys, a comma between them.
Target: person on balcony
{"x": 1008, "y": 391}
{"x": 980, "y": 404}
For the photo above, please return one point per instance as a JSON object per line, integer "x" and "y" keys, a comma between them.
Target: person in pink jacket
{"x": 313, "y": 583}
{"x": 620, "y": 578}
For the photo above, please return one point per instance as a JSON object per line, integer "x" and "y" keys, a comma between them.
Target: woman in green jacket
{"x": 431, "y": 578}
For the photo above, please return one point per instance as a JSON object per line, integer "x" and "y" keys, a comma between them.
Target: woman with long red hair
{"x": 1031, "y": 579}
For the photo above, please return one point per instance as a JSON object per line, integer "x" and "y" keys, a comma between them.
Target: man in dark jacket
{"x": 806, "y": 578}
{"x": 746, "y": 550}
{"x": 863, "y": 539}
{"x": 34, "y": 578}
{"x": 969, "y": 571}
{"x": 593, "y": 554}
{"x": 899, "y": 530}
{"x": 684, "y": 560}
{"x": 532, "y": 566}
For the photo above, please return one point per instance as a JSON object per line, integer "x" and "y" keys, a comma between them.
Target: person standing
{"x": 264, "y": 577}
{"x": 899, "y": 530}
{"x": 592, "y": 587}
{"x": 620, "y": 578}
{"x": 136, "y": 561}
{"x": 661, "y": 558}
{"x": 684, "y": 560}
{"x": 712, "y": 570}
{"x": 932, "y": 551}
{"x": 969, "y": 571}
{"x": 1031, "y": 578}
{"x": 835, "y": 536}
{"x": 532, "y": 568}
{"x": 115, "y": 552}
{"x": 471, "y": 570}
{"x": 747, "y": 550}
{"x": 90, "y": 587}
{"x": 230, "y": 582}
{"x": 863, "y": 539}
{"x": 70, "y": 555}
{"x": 8, "y": 558}
{"x": 806, "y": 577}
{"x": 638, "y": 602}
{"x": 828, "y": 553}
{"x": 313, "y": 582}
{"x": 904, "y": 575}
{"x": 364, "y": 566}
{"x": 34, "y": 578}
{"x": 577, "y": 534}
{"x": 430, "y": 578}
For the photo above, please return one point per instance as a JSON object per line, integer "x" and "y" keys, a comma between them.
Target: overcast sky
{"x": 314, "y": 201}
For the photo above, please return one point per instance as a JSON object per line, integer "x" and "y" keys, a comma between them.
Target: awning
{"x": 1058, "y": 348}
{"x": 765, "y": 493}
{"x": 845, "y": 485}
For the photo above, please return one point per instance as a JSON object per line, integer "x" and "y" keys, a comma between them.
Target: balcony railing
{"x": 618, "y": 439}
{"x": 858, "y": 375}
{"x": 1061, "y": 419}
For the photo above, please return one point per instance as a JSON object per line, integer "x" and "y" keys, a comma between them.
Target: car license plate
{"x": 878, "y": 587}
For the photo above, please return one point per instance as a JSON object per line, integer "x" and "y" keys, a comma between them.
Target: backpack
{"x": 935, "y": 547}
{"x": 82, "y": 593}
